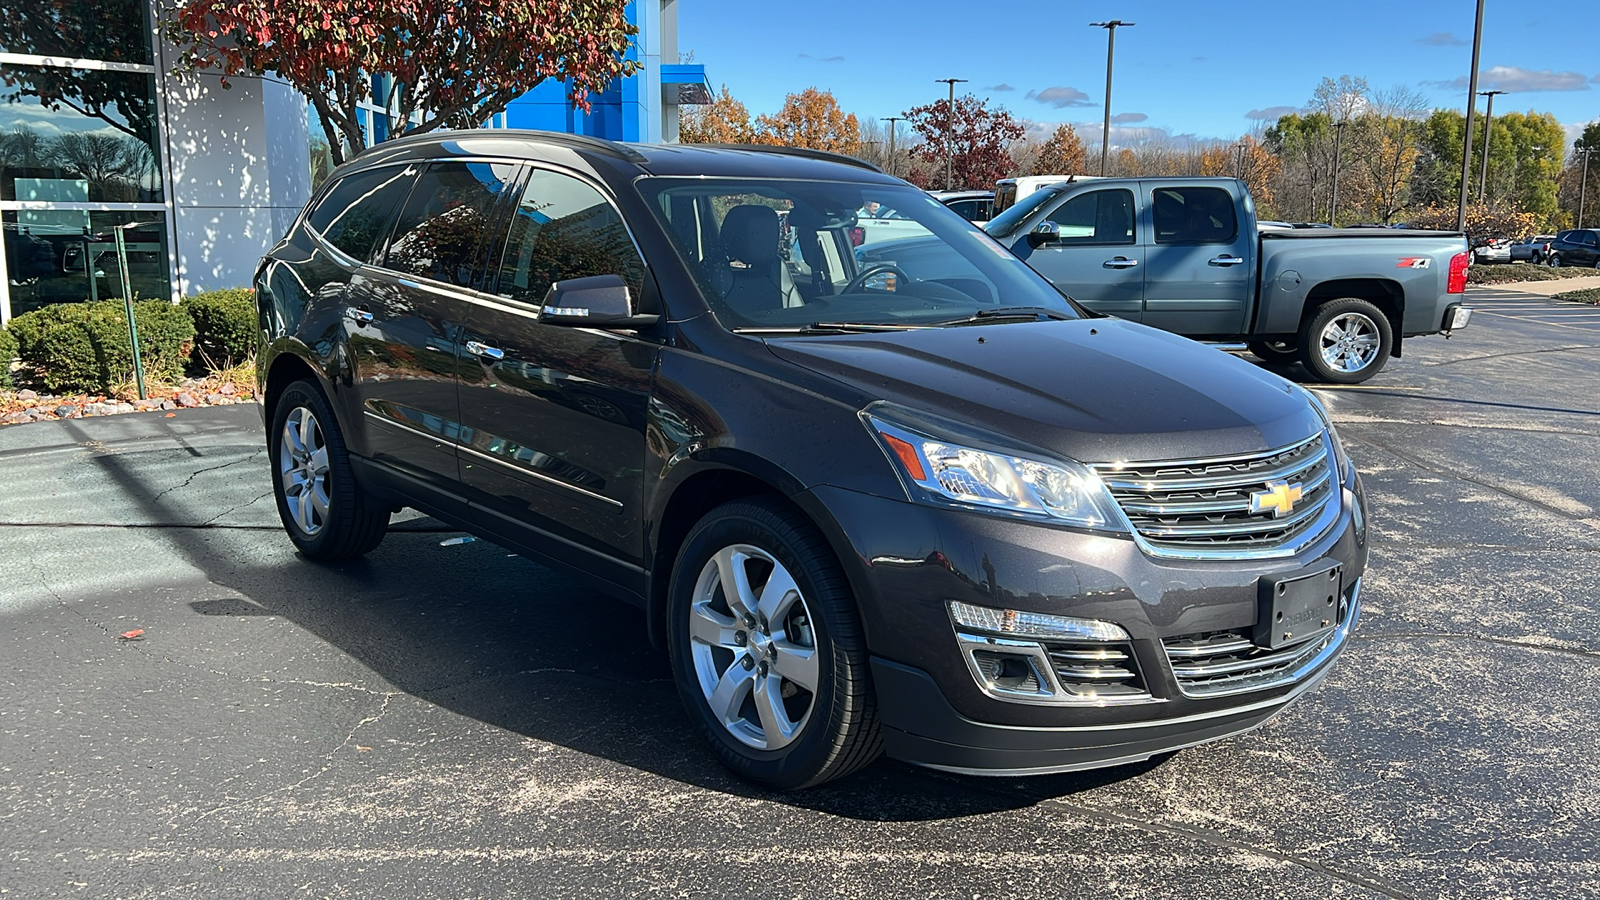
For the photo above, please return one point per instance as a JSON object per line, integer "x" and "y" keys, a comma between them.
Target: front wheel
{"x": 767, "y": 648}
{"x": 1280, "y": 352}
{"x": 1553, "y": 261}
{"x": 322, "y": 508}
{"x": 1346, "y": 342}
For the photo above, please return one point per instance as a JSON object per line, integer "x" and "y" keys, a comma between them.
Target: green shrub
{"x": 224, "y": 324}
{"x": 1584, "y": 295}
{"x": 8, "y": 352}
{"x": 84, "y": 347}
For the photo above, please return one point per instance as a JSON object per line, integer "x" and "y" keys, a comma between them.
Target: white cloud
{"x": 1442, "y": 39}
{"x": 1129, "y": 118}
{"x": 1273, "y": 113}
{"x": 1515, "y": 79}
{"x": 1061, "y": 97}
{"x": 1002, "y": 86}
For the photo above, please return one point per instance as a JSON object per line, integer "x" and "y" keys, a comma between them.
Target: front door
{"x": 1097, "y": 260}
{"x": 1200, "y": 266}
{"x": 554, "y": 439}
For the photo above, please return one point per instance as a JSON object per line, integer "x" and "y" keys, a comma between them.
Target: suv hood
{"x": 1094, "y": 390}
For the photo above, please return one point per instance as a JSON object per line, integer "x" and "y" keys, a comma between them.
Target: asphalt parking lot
{"x": 452, "y": 721}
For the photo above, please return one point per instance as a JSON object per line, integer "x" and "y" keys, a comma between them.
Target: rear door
{"x": 1097, "y": 260}
{"x": 553, "y": 447}
{"x": 1200, "y": 262}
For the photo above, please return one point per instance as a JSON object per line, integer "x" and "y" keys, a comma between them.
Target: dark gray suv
{"x": 950, "y": 516}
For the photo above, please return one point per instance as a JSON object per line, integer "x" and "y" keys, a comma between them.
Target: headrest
{"x": 750, "y": 234}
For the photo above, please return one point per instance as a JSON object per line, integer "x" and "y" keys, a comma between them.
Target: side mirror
{"x": 598, "y": 301}
{"x": 1046, "y": 232}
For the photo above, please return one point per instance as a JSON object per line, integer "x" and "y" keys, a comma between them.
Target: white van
{"x": 1007, "y": 191}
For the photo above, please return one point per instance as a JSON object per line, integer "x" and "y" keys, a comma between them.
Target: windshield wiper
{"x": 1002, "y": 313}
{"x": 830, "y": 328}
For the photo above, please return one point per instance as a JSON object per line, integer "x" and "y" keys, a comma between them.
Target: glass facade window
{"x": 78, "y": 135}
{"x": 108, "y": 30}
{"x": 70, "y": 256}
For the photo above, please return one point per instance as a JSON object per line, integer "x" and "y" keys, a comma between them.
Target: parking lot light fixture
{"x": 892, "y": 120}
{"x": 1472, "y": 101}
{"x": 1111, "y": 50}
{"x": 1488, "y": 131}
{"x": 950, "y": 131}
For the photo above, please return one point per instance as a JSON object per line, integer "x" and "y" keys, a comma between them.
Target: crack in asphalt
{"x": 1452, "y": 362}
{"x": 235, "y": 508}
{"x": 1458, "y": 636}
{"x": 198, "y": 472}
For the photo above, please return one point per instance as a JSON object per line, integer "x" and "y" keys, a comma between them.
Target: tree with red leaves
{"x": 454, "y": 63}
{"x": 980, "y": 137}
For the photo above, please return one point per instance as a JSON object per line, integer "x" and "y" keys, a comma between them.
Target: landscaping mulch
{"x": 24, "y": 406}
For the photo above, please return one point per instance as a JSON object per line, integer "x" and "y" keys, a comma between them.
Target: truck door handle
{"x": 360, "y": 316}
{"x": 1225, "y": 261}
{"x": 1119, "y": 262}
{"x": 485, "y": 351}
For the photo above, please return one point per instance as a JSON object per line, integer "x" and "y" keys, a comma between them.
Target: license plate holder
{"x": 1298, "y": 606}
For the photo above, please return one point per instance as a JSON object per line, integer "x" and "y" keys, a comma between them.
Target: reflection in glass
{"x": 440, "y": 230}
{"x": 70, "y": 256}
{"x": 564, "y": 229}
{"x": 107, "y": 30}
{"x": 76, "y": 134}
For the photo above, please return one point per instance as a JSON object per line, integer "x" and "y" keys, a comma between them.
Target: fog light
{"x": 1017, "y": 623}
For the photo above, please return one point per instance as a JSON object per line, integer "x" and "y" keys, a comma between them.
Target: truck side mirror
{"x": 1046, "y": 232}
{"x": 598, "y": 301}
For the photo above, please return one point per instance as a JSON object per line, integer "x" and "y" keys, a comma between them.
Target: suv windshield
{"x": 1007, "y": 222}
{"x": 793, "y": 254}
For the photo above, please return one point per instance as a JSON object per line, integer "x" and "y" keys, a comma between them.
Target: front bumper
{"x": 908, "y": 561}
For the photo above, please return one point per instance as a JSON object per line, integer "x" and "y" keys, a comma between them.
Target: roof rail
{"x": 574, "y": 141}
{"x": 805, "y": 152}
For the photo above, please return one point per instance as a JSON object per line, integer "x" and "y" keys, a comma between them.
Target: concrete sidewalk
{"x": 1544, "y": 288}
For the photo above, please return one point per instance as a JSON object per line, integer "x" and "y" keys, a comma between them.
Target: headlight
{"x": 953, "y": 471}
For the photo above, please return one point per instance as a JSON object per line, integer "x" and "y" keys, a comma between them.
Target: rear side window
{"x": 440, "y": 231}
{"x": 355, "y": 212}
{"x": 564, "y": 228}
{"x": 1098, "y": 217}
{"x": 1194, "y": 215}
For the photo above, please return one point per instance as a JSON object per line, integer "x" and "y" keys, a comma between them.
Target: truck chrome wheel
{"x": 754, "y": 650}
{"x": 1350, "y": 342}
{"x": 303, "y": 470}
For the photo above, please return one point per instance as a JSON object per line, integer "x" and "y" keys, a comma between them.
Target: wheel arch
{"x": 1386, "y": 294}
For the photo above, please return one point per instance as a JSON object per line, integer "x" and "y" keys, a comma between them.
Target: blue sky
{"x": 1188, "y": 68}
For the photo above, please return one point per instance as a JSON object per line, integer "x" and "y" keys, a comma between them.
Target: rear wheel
{"x": 1553, "y": 261}
{"x": 322, "y": 508}
{"x": 1346, "y": 341}
{"x": 767, "y": 648}
{"x": 1280, "y": 352}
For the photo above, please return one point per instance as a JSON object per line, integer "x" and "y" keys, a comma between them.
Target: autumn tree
{"x": 722, "y": 121}
{"x": 1578, "y": 185}
{"x": 812, "y": 119}
{"x": 974, "y": 137}
{"x": 1062, "y": 154}
{"x": 454, "y": 63}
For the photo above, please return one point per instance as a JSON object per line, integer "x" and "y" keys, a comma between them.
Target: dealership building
{"x": 96, "y": 133}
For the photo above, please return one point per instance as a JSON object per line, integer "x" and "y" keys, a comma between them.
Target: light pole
{"x": 1488, "y": 131}
{"x": 1338, "y": 145}
{"x": 950, "y": 130}
{"x": 892, "y": 120}
{"x": 1111, "y": 50}
{"x": 1472, "y": 104}
{"x": 1583, "y": 185}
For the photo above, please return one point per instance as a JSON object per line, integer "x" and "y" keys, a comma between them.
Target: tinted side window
{"x": 564, "y": 228}
{"x": 1590, "y": 239}
{"x": 1194, "y": 215}
{"x": 353, "y": 215}
{"x": 1098, "y": 217}
{"x": 442, "y": 226}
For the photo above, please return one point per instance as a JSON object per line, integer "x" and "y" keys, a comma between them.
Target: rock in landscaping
{"x": 27, "y": 395}
{"x": 143, "y": 405}
{"x": 187, "y": 400}
{"x": 168, "y": 404}
{"x": 64, "y": 411}
{"x": 214, "y": 399}
{"x": 227, "y": 389}
{"x": 125, "y": 407}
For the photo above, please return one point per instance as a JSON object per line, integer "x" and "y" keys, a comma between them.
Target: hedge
{"x": 225, "y": 325}
{"x": 84, "y": 347}
{"x": 8, "y": 352}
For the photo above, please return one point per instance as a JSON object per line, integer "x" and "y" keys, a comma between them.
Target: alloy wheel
{"x": 754, "y": 647}
{"x": 1350, "y": 342}
{"x": 303, "y": 470}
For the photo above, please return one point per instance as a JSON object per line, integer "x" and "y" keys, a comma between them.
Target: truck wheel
{"x": 1346, "y": 342}
{"x": 322, "y": 507}
{"x": 1283, "y": 353}
{"x": 767, "y": 648}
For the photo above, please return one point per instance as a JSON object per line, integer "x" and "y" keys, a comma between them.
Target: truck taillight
{"x": 1458, "y": 274}
{"x": 858, "y": 236}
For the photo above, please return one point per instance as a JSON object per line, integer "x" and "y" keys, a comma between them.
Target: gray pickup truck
{"x": 1186, "y": 255}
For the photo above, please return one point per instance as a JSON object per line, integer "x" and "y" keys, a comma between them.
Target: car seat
{"x": 760, "y": 281}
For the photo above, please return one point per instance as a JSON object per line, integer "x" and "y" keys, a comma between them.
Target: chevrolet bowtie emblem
{"x": 1279, "y": 497}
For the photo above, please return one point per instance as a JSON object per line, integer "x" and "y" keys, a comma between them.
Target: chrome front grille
{"x": 1096, "y": 671}
{"x": 1219, "y": 663}
{"x": 1203, "y": 508}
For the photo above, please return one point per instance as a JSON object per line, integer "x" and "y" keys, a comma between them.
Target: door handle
{"x": 1119, "y": 262}
{"x": 485, "y": 351}
{"x": 1224, "y": 261}
{"x": 361, "y": 317}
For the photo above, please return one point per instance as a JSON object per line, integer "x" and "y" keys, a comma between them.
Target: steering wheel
{"x": 857, "y": 282}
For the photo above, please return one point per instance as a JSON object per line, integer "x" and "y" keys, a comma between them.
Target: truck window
{"x": 1194, "y": 215}
{"x": 1098, "y": 217}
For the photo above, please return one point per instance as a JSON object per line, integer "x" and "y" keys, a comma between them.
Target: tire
{"x": 1554, "y": 261}
{"x": 1346, "y": 341}
{"x": 323, "y": 510}
{"x": 752, "y": 663}
{"x": 1280, "y": 352}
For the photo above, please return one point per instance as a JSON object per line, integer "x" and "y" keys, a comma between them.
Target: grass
{"x": 1506, "y": 274}
{"x": 1590, "y": 296}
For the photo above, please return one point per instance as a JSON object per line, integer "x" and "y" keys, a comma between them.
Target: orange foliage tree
{"x": 1062, "y": 154}
{"x": 812, "y": 119}
{"x": 722, "y": 121}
